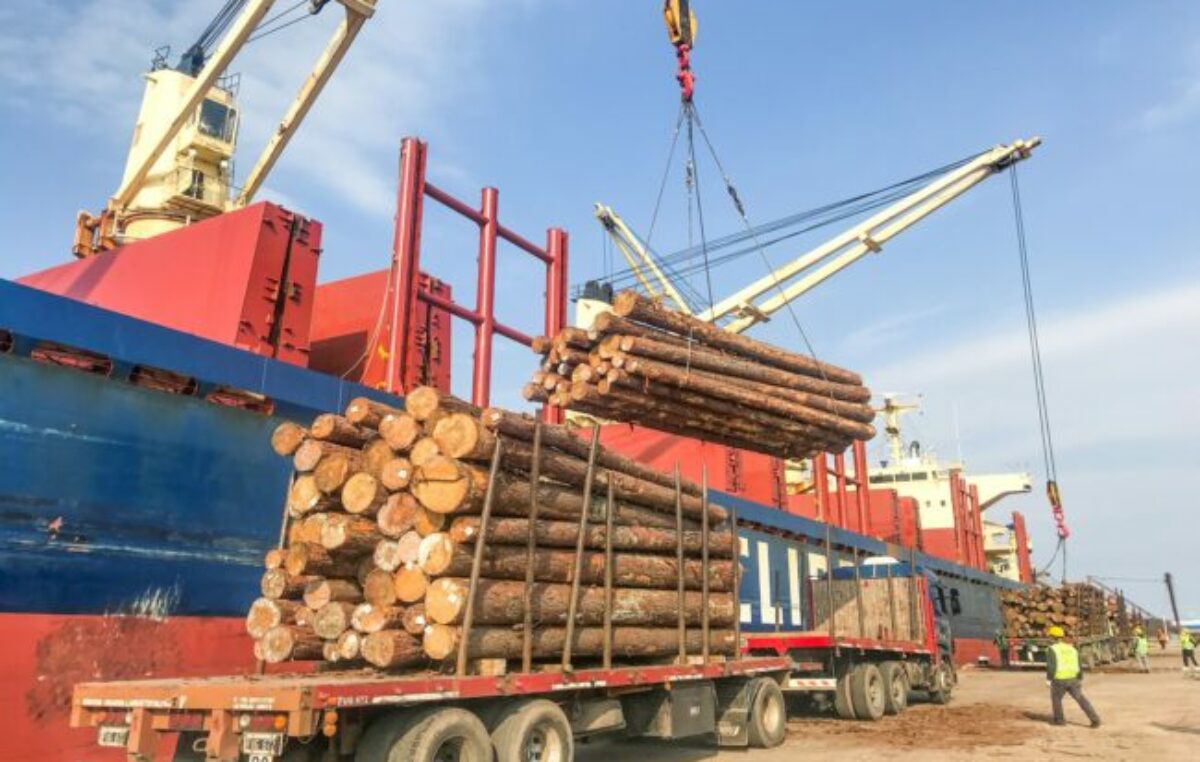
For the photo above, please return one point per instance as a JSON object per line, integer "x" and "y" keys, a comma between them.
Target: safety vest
{"x": 1186, "y": 642}
{"x": 1141, "y": 646}
{"x": 1066, "y": 661}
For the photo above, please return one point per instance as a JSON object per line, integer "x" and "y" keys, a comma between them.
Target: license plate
{"x": 264, "y": 757}
{"x": 262, "y": 746}
{"x": 113, "y": 735}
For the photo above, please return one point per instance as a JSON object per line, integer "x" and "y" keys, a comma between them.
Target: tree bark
{"x": 565, "y": 534}
{"x": 368, "y": 413}
{"x": 441, "y": 642}
{"x": 336, "y": 429}
{"x": 500, "y": 602}
{"x": 349, "y": 535}
{"x": 307, "y": 558}
{"x": 322, "y": 591}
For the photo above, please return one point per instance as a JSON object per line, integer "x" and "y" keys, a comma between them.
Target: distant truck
{"x": 863, "y": 637}
{"x": 1096, "y": 621}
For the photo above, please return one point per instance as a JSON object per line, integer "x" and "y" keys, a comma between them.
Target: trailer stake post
{"x": 477, "y": 561}
{"x": 679, "y": 586}
{"x": 580, "y": 542}
{"x": 704, "y": 592}
{"x": 608, "y": 576}
{"x": 829, "y": 580}
{"x": 735, "y": 544}
{"x": 858, "y": 597}
{"x": 531, "y": 548}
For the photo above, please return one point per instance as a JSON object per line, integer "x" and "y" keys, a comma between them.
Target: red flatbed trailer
{"x": 366, "y": 715}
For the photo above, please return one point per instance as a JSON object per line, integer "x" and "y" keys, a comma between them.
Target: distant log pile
{"x": 388, "y": 509}
{"x": 648, "y": 365}
{"x": 1082, "y": 610}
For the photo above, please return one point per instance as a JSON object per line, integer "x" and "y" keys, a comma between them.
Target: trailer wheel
{"x": 843, "y": 706}
{"x": 941, "y": 684}
{"x": 430, "y": 735}
{"x": 866, "y": 692}
{"x": 895, "y": 687}
{"x": 768, "y": 715}
{"x": 534, "y": 731}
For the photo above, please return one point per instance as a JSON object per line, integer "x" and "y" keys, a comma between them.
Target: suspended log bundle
{"x": 409, "y": 546}
{"x": 1080, "y": 609}
{"x": 642, "y": 363}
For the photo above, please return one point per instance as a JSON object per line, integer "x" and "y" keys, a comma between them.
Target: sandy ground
{"x": 994, "y": 715}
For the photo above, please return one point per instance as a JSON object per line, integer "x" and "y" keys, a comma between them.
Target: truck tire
{"x": 429, "y": 735}
{"x": 866, "y": 692}
{"x": 941, "y": 684}
{"x": 895, "y": 687}
{"x": 767, "y": 723}
{"x": 533, "y": 731}
{"x": 843, "y": 706}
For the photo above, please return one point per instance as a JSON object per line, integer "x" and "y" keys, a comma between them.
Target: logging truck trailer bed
{"x": 369, "y": 716}
{"x": 1093, "y": 651}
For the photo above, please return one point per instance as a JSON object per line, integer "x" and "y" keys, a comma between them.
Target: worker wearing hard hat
{"x": 1187, "y": 645}
{"x": 1065, "y": 676}
{"x": 1141, "y": 649}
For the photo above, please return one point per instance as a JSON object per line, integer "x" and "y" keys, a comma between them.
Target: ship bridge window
{"x": 920, "y": 476}
{"x": 881, "y": 479}
{"x": 217, "y": 120}
{"x": 902, "y": 477}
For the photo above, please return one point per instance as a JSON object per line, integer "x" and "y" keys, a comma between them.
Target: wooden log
{"x": 277, "y": 583}
{"x": 395, "y": 473}
{"x": 445, "y": 485}
{"x": 392, "y": 648}
{"x": 564, "y": 534}
{"x": 336, "y": 429}
{"x": 322, "y": 591}
{"x": 309, "y": 528}
{"x": 304, "y": 616}
{"x": 441, "y": 642}
{"x": 306, "y": 496}
{"x": 444, "y": 558}
{"x": 332, "y": 619}
{"x": 630, "y": 304}
{"x": 335, "y": 469}
{"x": 375, "y": 455}
{"x": 540, "y": 344}
{"x": 697, "y": 357}
{"x": 520, "y": 426}
{"x": 290, "y": 643}
{"x": 368, "y": 413}
{"x": 499, "y": 602}
{"x": 308, "y": 455}
{"x": 400, "y": 431}
{"x": 351, "y": 535}
{"x": 287, "y": 437}
{"x": 423, "y": 401}
{"x": 348, "y": 645}
{"x": 368, "y": 618}
{"x": 428, "y": 522}
{"x": 307, "y": 558}
{"x": 398, "y": 515}
{"x": 387, "y": 555}
{"x": 379, "y": 588}
{"x": 424, "y": 450}
{"x": 463, "y": 436}
{"x": 415, "y": 619}
{"x": 266, "y": 613}
{"x": 363, "y": 495}
{"x": 681, "y": 378}
{"x": 410, "y": 584}
{"x": 273, "y": 558}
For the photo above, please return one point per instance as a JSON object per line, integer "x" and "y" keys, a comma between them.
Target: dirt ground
{"x": 994, "y": 715}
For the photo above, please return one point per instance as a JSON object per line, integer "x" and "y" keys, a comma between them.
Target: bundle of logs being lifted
{"x": 644, "y": 364}
{"x": 445, "y": 536}
{"x": 1082, "y": 611}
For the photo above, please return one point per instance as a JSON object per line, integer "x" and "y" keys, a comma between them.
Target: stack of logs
{"x": 1082, "y": 611}
{"x": 386, "y": 510}
{"x": 645, "y": 364}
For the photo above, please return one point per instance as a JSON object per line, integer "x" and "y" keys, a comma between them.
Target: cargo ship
{"x": 139, "y": 385}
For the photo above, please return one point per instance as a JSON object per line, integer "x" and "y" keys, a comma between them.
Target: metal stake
{"x": 829, "y": 580}
{"x": 608, "y": 576}
{"x": 858, "y": 599}
{"x": 477, "y": 560}
{"x": 573, "y": 607}
{"x": 682, "y": 618}
{"x": 704, "y": 592}
{"x": 737, "y": 582}
{"x": 531, "y": 548}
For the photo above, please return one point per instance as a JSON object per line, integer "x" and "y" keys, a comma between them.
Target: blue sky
{"x": 560, "y": 104}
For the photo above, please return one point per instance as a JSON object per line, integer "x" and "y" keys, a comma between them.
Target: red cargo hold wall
{"x": 245, "y": 278}
{"x": 346, "y": 315}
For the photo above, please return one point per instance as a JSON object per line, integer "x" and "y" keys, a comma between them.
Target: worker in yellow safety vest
{"x": 1141, "y": 649}
{"x": 1065, "y": 676}
{"x": 1187, "y": 645}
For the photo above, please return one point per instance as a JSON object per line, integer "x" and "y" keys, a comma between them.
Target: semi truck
{"x": 821, "y": 611}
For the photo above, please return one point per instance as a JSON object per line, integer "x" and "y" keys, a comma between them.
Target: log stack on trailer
{"x": 442, "y": 534}
{"x": 1080, "y": 609}
{"x": 645, "y": 364}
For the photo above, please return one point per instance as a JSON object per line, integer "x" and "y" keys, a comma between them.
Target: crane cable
{"x": 1039, "y": 381}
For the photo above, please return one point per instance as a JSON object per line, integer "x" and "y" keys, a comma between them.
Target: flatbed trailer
{"x": 369, "y": 716}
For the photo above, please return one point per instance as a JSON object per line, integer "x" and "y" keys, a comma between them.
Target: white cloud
{"x": 413, "y": 61}
{"x": 1182, "y": 106}
{"x": 888, "y": 330}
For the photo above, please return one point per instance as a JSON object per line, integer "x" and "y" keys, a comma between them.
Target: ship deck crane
{"x": 179, "y": 167}
{"x": 759, "y": 300}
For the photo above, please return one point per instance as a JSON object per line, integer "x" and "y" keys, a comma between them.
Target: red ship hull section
{"x": 45, "y": 655}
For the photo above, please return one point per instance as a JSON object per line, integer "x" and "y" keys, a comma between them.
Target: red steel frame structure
{"x": 834, "y": 505}
{"x": 404, "y": 293}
